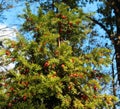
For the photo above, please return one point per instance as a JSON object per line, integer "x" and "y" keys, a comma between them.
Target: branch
{"x": 100, "y": 24}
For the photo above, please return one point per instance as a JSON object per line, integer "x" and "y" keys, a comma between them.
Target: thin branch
{"x": 101, "y": 25}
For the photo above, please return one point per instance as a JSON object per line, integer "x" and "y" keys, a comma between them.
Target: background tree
{"x": 108, "y": 19}
{"x": 109, "y": 22}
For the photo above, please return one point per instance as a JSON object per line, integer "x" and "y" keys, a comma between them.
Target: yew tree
{"x": 52, "y": 71}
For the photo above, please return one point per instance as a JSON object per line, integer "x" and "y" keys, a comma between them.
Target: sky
{"x": 7, "y": 33}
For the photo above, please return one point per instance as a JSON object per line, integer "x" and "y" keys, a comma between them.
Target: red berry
{"x": 62, "y": 65}
{"x": 7, "y": 52}
{"x": 95, "y": 88}
{"x": 84, "y": 97}
{"x": 63, "y": 17}
{"x": 27, "y": 70}
{"x": 11, "y": 89}
{"x": 9, "y": 104}
{"x": 46, "y": 64}
{"x": 13, "y": 59}
{"x": 24, "y": 98}
{"x": 75, "y": 75}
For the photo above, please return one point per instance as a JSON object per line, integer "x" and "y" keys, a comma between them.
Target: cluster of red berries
{"x": 76, "y": 75}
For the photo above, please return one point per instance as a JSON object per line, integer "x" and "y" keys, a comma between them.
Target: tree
{"x": 109, "y": 22}
{"x": 52, "y": 71}
{"x": 108, "y": 19}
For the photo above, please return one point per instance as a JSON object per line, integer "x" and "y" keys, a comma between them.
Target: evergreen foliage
{"x": 52, "y": 71}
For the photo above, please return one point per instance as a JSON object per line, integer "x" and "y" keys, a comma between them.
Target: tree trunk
{"x": 116, "y": 8}
{"x": 117, "y": 51}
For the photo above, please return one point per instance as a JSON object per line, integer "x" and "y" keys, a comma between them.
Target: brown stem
{"x": 58, "y": 41}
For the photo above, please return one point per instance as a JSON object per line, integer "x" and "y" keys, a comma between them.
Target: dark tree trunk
{"x": 117, "y": 51}
{"x": 116, "y": 8}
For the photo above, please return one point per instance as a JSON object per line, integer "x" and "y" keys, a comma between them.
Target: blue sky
{"x": 12, "y": 14}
